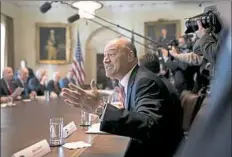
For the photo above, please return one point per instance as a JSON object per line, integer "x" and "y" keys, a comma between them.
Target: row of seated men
{"x": 33, "y": 85}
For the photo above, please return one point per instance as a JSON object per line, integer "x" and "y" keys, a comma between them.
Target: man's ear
{"x": 130, "y": 57}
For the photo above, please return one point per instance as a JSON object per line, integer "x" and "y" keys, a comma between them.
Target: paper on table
{"x": 53, "y": 95}
{"x": 5, "y": 105}
{"x": 76, "y": 145}
{"x": 26, "y": 100}
{"x": 17, "y": 92}
{"x": 40, "y": 97}
{"x": 95, "y": 129}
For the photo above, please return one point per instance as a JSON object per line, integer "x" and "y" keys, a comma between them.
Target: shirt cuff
{"x": 165, "y": 59}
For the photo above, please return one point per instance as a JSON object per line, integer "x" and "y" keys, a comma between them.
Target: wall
{"x": 25, "y": 45}
{"x": 15, "y": 13}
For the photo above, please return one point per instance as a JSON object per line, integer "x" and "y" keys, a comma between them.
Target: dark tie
{"x": 56, "y": 87}
{"x": 25, "y": 88}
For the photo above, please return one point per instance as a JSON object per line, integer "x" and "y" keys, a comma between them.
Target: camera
{"x": 174, "y": 42}
{"x": 209, "y": 20}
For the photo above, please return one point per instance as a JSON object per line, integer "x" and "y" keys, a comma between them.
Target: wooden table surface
{"x": 28, "y": 123}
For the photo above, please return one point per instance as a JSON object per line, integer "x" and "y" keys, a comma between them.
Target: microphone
{"x": 73, "y": 18}
{"x": 45, "y": 7}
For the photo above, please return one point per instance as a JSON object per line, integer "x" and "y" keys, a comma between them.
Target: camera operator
{"x": 183, "y": 73}
{"x": 209, "y": 44}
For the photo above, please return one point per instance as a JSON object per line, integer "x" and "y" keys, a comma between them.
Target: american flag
{"x": 78, "y": 63}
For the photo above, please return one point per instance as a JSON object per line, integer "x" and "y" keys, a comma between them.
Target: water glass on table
{"x": 87, "y": 118}
{"x": 56, "y": 132}
{"x": 10, "y": 101}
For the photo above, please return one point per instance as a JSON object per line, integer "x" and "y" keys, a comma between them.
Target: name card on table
{"x": 37, "y": 150}
{"x": 69, "y": 129}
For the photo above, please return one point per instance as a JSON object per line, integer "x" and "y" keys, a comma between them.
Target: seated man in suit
{"x": 7, "y": 86}
{"x": 151, "y": 62}
{"x": 68, "y": 79}
{"x": 149, "y": 117}
{"x": 54, "y": 85}
{"x": 38, "y": 83}
{"x": 24, "y": 64}
{"x": 21, "y": 81}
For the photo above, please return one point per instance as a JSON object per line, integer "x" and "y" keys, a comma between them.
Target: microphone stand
{"x": 161, "y": 45}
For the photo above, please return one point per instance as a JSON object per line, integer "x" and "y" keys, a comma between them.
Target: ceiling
{"x": 110, "y": 4}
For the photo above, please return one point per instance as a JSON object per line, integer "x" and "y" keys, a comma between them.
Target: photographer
{"x": 182, "y": 72}
{"x": 209, "y": 44}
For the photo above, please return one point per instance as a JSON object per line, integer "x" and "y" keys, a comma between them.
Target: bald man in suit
{"x": 150, "y": 116}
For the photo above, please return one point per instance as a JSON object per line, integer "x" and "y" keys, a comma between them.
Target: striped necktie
{"x": 122, "y": 92}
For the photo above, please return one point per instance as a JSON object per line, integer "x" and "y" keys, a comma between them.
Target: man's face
{"x": 8, "y": 74}
{"x": 181, "y": 41}
{"x": 70, "y": 74}
{"x": 57, "y": 77}
{"x": 115, "y": 61}
{"x": 164, "y": 32}
{"x": 24, "y": 74}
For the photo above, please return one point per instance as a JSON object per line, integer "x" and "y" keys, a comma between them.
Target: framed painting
{"x": 53, "y": 43}
{"x": 161, "y": 31}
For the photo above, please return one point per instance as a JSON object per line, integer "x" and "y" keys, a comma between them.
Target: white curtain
{"x": 3, "y": 43}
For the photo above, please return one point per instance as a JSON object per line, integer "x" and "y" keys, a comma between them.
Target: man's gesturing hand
{"x": 86, "y": 100}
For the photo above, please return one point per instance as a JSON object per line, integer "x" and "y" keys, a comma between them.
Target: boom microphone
{"x": 45, "y": 7}
{"x": 73, "y": 18}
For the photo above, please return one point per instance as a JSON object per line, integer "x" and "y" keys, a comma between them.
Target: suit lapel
{"x": 129, "y": 88}
{"x": 5, "y": 88}
{"x": 20, "y": 83}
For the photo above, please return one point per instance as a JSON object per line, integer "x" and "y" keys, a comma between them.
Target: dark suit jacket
{"x": 26, "y": 92}
{"x": 4, "y": 91}
{"x": 183, "y": 74}
{"x": 51, "y": 87}
{"x": 151, "y": 120}
{"x": 34, "y": 85}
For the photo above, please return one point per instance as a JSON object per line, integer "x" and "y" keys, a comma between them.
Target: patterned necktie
{"x": 122, "y": 92}
{"x": 10, "y": 87}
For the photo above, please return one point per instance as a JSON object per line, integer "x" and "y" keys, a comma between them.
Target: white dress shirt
{"x": 124, "y": 81}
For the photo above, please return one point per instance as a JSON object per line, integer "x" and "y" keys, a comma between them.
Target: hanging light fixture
{"x": 87, "y": 8}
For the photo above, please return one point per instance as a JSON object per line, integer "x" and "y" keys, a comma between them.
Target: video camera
{"x": 209, "y": 19}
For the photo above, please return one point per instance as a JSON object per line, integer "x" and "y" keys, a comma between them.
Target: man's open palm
{"x": 86, "y": 100}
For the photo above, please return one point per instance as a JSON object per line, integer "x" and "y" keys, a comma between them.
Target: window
{"x": 3, "y": 38}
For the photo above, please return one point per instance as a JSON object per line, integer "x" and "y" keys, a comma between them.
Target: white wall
{"x": 25, "y": 38}
{"x": 15, "y": 13}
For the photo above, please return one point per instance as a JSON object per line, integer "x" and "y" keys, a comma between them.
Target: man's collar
{"x": 124, "y": 81}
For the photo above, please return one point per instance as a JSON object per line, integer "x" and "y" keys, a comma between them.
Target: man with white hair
{"x": 21, "y": 81}
{"x": 54, "y": 85}
{"x": 64, "y": 82}
{"x": 38, "y": 83}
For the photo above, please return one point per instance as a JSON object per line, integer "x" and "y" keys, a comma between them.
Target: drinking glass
{"x": 56, "y": 131}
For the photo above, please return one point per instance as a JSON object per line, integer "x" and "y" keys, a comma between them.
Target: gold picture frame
{"x": 53, "y": 43}
{"x": 152, "y": 30}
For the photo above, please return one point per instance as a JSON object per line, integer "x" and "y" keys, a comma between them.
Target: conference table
{"x": 28, "y": 123}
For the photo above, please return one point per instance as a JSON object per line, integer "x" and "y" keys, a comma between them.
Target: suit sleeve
{"x": 209, "y": 47}
{"x": 50, "y": 86}
{"x": 36, "y": 86}
{"x": 175, "y": 64}
{"x": 141, "y": 123}
{"x": 190, "y": 58}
